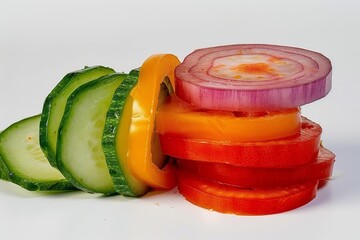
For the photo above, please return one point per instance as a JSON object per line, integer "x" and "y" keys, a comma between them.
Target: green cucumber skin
{"x": 94, "y": 72}
{"x": 30, "y": 184}
{"x": 73, "y": 99}
{"x": 119, "y": 176}
{"x": 4, "y": 171}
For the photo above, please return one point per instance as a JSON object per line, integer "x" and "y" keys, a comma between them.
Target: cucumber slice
{"x": 22, "y": 160}
{"x": 115, "y": 139}
{"x": 80, "y": 155}
{"x": 55, "y": 102}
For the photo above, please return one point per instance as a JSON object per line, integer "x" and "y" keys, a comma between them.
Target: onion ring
{"x": 253, "y": 77}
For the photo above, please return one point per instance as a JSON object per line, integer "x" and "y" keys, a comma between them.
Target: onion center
{"x": 253, "y": 67}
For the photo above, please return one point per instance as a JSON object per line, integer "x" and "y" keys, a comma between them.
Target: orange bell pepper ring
{"x": 179, "y": 119}
{"x": 144, "y": 153}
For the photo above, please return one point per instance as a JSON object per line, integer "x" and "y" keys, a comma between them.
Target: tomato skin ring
{"x": 228, "y": 199}
{"x": 262, "y": 177}
{"x": 287, "y": 152}
{"x": 179, "y": 119}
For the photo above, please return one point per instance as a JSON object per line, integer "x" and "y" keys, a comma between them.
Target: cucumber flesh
{"x": 55, "y": 102}
{"x": 80, "y": 155}
{"x": 23, "y": 162}
{"x": 115, "y": 139}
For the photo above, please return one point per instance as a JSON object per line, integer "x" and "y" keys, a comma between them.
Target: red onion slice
{"x": 253, "y": 77}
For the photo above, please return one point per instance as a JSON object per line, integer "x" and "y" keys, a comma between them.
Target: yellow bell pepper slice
{"x": 144, "y": 152}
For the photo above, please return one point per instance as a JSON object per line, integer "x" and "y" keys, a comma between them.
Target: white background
{"x": 40, "y": 41}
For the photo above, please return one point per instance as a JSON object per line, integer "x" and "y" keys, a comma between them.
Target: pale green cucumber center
{"x": 25, "y": 156}
{"x": 59, "y": 102}
{"x": 82, "y": 153}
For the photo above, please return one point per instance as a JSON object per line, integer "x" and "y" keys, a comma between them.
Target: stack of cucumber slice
{"x": 79, "y": 141}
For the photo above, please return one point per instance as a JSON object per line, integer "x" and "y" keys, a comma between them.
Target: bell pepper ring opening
{"x": 145, "y": 156}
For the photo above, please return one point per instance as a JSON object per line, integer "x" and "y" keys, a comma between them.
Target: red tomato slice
{"x": 286, "y": 152}
{"x": 243, "y": 201}
{"x": 262, "y": 177}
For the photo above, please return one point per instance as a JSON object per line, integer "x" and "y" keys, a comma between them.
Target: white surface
{"x": 40, "y": 41}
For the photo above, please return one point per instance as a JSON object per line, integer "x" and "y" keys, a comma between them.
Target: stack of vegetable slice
{"x": 233, "y": 128}
{"x": 236, "y": 130}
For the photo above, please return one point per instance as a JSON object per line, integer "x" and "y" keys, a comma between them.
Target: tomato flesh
{"x": 243, "y": 201}
{"x": 287, "y": 152}
{"x": 262, "y": 177}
